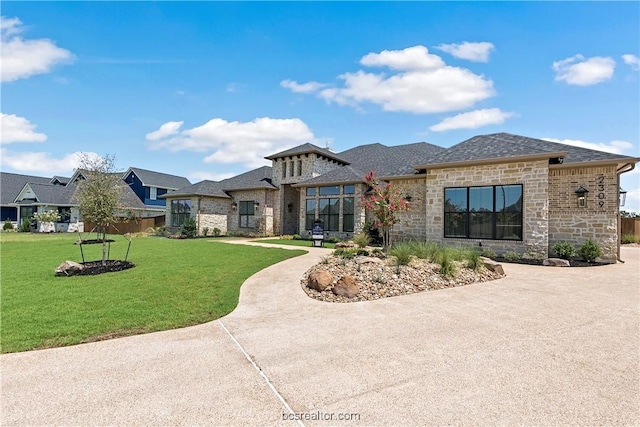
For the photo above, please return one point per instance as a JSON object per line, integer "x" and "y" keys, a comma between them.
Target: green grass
{"x": 289, "y": 242}
{"x": 175, "y": 283}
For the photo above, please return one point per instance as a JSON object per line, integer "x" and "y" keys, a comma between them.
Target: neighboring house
{"x": 149, "y": 186}
{"x": 24, "y": 195}
{"x": 500, "y": 191}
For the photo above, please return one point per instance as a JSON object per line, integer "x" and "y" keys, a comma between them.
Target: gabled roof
{"x": 12, "y": 184}
{"x": 343, "y": 175}
{"x": 505, "y": 146}
{"x": 253, "y": 180}
{"x": 62, "y": 180}
{"x": 50, "y": 194}
{"x": 308, "y": 149}
{"x": 158, "y": 179}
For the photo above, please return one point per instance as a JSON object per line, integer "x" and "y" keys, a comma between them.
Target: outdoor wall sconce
{"x": 290, "y": 207}
{"x": 234, "y": 206}
{"x": 623, "y": 196}
{"x": 256, "y": 205}
{"x": 581, "y": 193}
{"x": 408, "y": 197}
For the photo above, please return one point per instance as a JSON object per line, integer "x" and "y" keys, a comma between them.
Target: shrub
{"x": 590, "y": 251}
{"x": 189, "y": 228}
{"x": 25, "y": 226}
{"x": 324, "y": 260}
{"x": 296, "y": 237}
{"x": 333, "y": 240}
{"x": 362, "y": 252}
{"x": 205, "y": 231}
{"x": 511, "y": 256}
{"x": 286, "y": 237}
{"x": 345, "y": 253}
{"x": 489, "y": 253}
{"x": 474, "y": 262}
{"x": 564, "y": 250}
{"x": 402, "y": 253}
{"x": 447, "y": 267}
{"x": 630, "y": 238}
{"x": 216, "y": 232}
{"x": 8, "y": 225}
{"x": 362, "y": 239}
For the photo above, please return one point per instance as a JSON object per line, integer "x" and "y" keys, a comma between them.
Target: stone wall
{"x": 412, "y": 223}
{"x": 263, "y": 215}
{"x": 211, "y": 221}
{"x": 534, "y": 176}
{"x": 312, "y": 166}
{"x": 598, "y": 220}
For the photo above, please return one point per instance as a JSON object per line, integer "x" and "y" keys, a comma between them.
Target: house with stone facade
{"x": 500, "y": 191}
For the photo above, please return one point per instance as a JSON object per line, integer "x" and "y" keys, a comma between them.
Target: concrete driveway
{"x": 542, "y": 346}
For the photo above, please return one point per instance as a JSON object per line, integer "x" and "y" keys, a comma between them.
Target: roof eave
{"x": 313, "y": 184}
{"x": 609, "y": 162}
{"x": 493, "y": 160}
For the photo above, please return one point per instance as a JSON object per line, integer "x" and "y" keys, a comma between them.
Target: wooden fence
{"x": 630, "y": 226}
{"x": 131, "y": 226}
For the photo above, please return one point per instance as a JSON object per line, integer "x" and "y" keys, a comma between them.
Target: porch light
{"x": 290, "y": 207}
{"x": 256, "y": 205}
{"x": 581, "y": 193}
{"x": 234, "y": 206}
{"x": 408, "y": 197}
{"x": 623, "y": 196}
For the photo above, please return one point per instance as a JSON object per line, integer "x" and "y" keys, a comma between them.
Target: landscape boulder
{"x": 346, "y": 287}
{"x": 360, "y": 259}
{"x": 491, "y": 265}
{"x": 320, "y": 280}
{"x": 69, "y": 268}
{"x": 556, "y": 262}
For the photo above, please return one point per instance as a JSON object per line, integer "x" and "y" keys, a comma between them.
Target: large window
{"x": 347, "y": 214}
{"x": 330, "y": 191}
{"x": 310, "y": 214}
{"x": 180, "y": 211}
{"x": 329, "y": 213}
{"x": 490, "y": 212}
{"x": 65, "y": 214}
{"x": 246, "y": 214}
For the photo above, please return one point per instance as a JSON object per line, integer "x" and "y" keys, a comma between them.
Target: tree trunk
{"x": 104, "y": 245}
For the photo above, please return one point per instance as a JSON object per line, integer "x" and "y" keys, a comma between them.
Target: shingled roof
{"x": 505, "y": 146}
{"x": 158, "y": 179}
{"x": 13, "y": 183}
{"x": 51, "y": 194}
{"x": 308, "y": 149}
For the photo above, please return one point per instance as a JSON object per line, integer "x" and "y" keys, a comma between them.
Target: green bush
{"x": 286, "y": 237}
{"x": 447, "y": 267}
{"x": 402, "y": 253}
{"x": 474, "y": 262}
{"x": 489, "y": 253}
{"x": 345, "y": 253}
{"x": 511, "y": 256}
{"x": 333, "y": 240}
{"x": 362, "y": 239}
{"x": 25, "y": 226}
{"x": 630, "y": 238}
{"x": 216, "y": 232}
{"x": 590, "y": 251}
{"x": 190, "y": 227}
{"x": 296, "y": 237}
{"x": 564, "y": 250}
{"x": 8, "y": 225}
{"x": 362, "y": 252}
{"x": 205, "y": 231}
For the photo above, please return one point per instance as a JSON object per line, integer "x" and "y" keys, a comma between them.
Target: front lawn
{"x": 175, "y": 283}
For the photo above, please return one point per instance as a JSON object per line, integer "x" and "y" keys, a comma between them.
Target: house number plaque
{"x": 601, "y": 194}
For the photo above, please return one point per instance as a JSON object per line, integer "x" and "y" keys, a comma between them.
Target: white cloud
{"x": 473, "y": 120}
{"x": 632, "y": 60}
{"x": 615, "y": 146}
{"x": 579, "y": 71}
{"x": 167, "y": 129}
{"x": 296, "y": 87}
{"x": 238, "y": 142}
{"x": 476, "y": 52}
{"x": 423, "y": 83}
{"x": 632, "y": 201}
{"x": 41, "y": 162}
{"x": 18, "y": 129}
{"x": 23, "y": 58}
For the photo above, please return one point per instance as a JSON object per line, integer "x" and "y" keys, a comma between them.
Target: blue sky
{"x": 206, "y": 90}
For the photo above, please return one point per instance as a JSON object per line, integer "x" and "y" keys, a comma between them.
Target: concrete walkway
{"x": 542, "y": 346}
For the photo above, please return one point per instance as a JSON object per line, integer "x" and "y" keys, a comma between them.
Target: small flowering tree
{"x": 384, "y": 201}
{"x": 47, "y": 219}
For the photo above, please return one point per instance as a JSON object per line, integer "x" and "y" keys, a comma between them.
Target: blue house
{"x": 149, "y": 185}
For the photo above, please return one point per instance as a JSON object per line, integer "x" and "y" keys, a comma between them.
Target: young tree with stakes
{"x": 384, "y": 201}
{"x": 99, "y": 195}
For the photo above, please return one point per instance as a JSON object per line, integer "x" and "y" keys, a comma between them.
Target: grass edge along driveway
{"x": 175, "y": 283}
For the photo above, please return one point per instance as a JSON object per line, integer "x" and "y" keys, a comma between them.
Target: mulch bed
{"x": 92, "y": 268}
{"x": 91, "y": 241}
{"x": 528, "y": 261}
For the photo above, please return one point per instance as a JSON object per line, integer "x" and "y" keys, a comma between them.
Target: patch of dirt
{"x": 91, "y": 241}
{"x": 92, "y": 268}
{"x": 383, "y": 280}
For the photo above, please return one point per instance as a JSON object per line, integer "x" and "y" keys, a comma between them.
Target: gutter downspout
{"x": 628, "y": 167}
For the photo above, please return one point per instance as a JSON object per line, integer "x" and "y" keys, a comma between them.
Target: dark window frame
{"x": 468, "y": 214}
{"x": 331, "y": 220}
{"x": 180, "y": 211}
{"x": 246, "y": 212}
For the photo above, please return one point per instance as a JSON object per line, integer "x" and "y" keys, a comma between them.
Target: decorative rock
{"x": 492, "y": 265}
{"x": 69, "y": 268}
{"x": 556, "y": 262}
{"x": 320, "y": 280}
{"x": 346, "y": 287}
{"x": 346, "y": 245}
{"x": 360, "y": 259}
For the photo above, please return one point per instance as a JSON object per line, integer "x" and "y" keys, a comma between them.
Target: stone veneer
{"x": 534, "y": 177}
{"x": 412, "y": 223}
{"x": 598, "y": 220}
